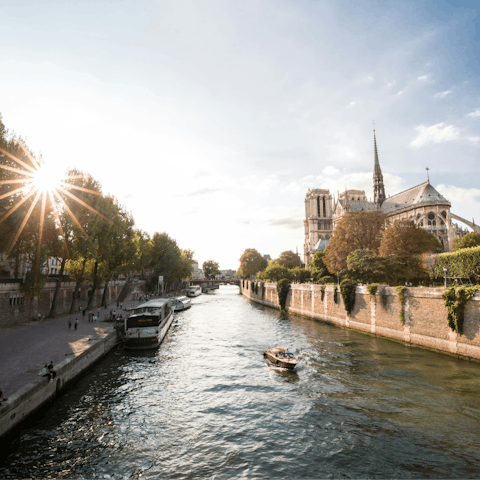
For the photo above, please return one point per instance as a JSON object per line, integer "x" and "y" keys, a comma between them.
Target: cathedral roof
{"x": 413, "y": 196}
{"x": 321, "y": 245}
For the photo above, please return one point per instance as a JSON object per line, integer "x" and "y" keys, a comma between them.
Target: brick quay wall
{"x": 426, "y": 323}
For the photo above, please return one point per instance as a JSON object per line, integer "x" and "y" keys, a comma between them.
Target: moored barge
{"x": 148, "y": 325}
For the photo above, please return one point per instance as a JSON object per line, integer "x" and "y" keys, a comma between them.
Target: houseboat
{"x": 148, "y": 325}
{"x": 181, "y": 303}
{"x": 194, "y": 291}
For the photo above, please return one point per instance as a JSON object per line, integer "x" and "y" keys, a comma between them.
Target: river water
{"x": 206, "y": 405}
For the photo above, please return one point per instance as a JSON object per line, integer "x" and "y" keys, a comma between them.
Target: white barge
{"x": 148, "y": 325}
{"x": 181, "y": 303}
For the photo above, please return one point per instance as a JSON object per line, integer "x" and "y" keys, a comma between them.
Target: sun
{"x": 42, "y": 181}
{"x": 46, "y": 179}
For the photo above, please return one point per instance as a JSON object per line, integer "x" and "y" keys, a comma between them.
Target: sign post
{"x": 160, "y": 282}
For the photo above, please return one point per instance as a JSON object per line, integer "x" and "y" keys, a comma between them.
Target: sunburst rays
{"x": 36, "y": 181}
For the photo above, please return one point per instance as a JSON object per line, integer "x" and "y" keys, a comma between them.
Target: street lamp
{"x": 445, "y": 275}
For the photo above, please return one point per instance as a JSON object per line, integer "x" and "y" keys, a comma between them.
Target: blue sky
{"x": 211, "y": 119}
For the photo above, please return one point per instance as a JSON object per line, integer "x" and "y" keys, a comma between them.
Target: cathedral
{"x": 422, "y": 204}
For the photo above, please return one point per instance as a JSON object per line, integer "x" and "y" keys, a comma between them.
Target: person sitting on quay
{"x": 45, "y": 373}
{"x": 51, "y": 371}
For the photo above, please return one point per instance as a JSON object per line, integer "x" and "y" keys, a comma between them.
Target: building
{"x": 197, "y": 272}
{"x": 423, "y": 204}
{"x": 318, "y": 221}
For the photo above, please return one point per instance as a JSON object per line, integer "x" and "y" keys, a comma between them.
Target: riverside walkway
{"x": 26, "y": 348}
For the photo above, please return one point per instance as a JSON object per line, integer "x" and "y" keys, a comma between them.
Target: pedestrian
{"x": 81, "y": 308}
{"x": 98, "y": 312}
{"x": 83, "y": 312}
{"x": 94, "y": 318}
{"x": 76, "y": 323}
{"x": 69, "y": 324}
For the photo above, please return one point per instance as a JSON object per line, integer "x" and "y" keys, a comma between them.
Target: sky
{"x": 211, "y": 119}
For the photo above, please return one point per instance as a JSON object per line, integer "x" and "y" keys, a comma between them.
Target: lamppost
{"x": 445, "y": 275}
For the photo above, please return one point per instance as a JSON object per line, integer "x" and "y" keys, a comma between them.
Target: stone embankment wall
{"x": 425, "y": 325}
{"x": 32, "y": 396}
{"x": 15, "y": 308}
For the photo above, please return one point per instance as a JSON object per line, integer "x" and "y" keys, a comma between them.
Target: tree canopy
{"x": 354, "y": 231}
{"x": 469, "y": 240}
{"x": 317, "y": 266}
{"x": 251, "y": 262}
{"x": 404, "y": 238}
{"x": 289, "y": 259}
{"x": 211, "y": 269}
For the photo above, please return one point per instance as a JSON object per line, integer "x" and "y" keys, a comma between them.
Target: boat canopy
{"x": 143, "y": 320}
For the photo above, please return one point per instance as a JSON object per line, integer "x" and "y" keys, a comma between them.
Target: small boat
{"x": 194, "y": 291}
{"x": 281, "y": 357}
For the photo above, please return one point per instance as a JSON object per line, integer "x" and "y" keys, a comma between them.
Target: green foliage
{"x": 322, "y": 292}
{"x": 251, "y": 262}
{"x": 327, "y": 279}
{"x": 275, "y": 272}
{"x": 289, "y": 259}
{"x": 372, "y": 288}
{"x": 469, "y": 240}
{"x": 252, "y": 286}
{"x": 283, "y": 286}
{"x": 211, "y": 268}
{"x": 335, "y": 294}
{"x": 365, "y": 266}
{"x": 462, "y": 263}
{"x": 402, "y": 299}
{"x": 256, "y": 289}
{"x": 455, "y": 299}
{"x": 317, "y": 266}
{"x": 299, "y": 274}
{"x": 347, "y": 289}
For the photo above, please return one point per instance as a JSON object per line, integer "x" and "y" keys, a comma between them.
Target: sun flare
{"x": 41, "y": 181}
{"x": 46, "y": 179}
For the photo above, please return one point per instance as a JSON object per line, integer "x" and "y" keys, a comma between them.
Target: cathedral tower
{"x": 378, "y": 187}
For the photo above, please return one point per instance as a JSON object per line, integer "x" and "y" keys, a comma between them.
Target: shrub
{"x": 256, "y": 289}
{"x": 252, "y": 286}
{"x": 283, "y": 286}
{"x": 462, "y": 263}
{"x": 347, "y": 289}
{"x": 401, "y": 298}
{"x": 335, "y": 294}
{"x": 372, "y": 288}
{"x": 322, "y": 292}
{"x": 455, "y": 299}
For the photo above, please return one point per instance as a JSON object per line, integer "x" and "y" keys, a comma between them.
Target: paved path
{"x": 25, "y": 349}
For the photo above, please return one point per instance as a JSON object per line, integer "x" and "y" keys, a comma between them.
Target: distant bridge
{"x": 215, "y": 283}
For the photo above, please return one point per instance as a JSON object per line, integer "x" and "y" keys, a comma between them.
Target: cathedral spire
{"x": 378, "y": 187}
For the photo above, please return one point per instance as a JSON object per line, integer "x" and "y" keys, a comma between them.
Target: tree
{"x": 404, "y": 238}
{"x": 366, "y": 267}
{"x": 354, "y": 231}
{"x": 275, "y": 272}
{"x": 289, "y": 259}
{"x": 251, "y": 262}
{"x": 471, "y": 239}
{"x": 299, "y": 274}
{"x": 210, "y": 268}
{"x": 317, "y": 266}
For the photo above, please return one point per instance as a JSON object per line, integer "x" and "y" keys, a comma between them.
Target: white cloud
{"x": 330, "y": 170}
{"x": 438, "y": 133}
{"x": 400, "y": 92}
{"x": 443, "y": 94}
{"x": 351, "y": 104}
{"x": 474, "y": 114}
{"x": 391, "y": 84}
{"x": 459, "y": 194}
{"x": 474, "y": 139}
{"x": 423, "y": 78}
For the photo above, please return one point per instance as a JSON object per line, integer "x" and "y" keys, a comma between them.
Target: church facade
{"x": 423, "y": 204}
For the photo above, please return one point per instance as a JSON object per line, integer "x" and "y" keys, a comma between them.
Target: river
{"x": 206, "y": 405}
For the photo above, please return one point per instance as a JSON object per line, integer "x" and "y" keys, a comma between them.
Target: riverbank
{"x": 425, "y": 314}
{"x": 26, "y": 348}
